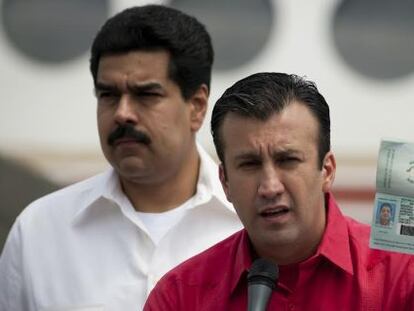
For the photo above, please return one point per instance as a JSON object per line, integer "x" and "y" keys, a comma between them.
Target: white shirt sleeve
{"x": 12, "y": 296}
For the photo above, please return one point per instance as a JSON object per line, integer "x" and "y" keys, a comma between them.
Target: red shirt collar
{"x": 334, "y": 245}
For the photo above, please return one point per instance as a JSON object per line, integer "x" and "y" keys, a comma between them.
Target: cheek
{"x": 313, "y": 183}
{"x": 243, "y": 209}
{"x": 165, "y": 123}
{"x": 242, "y": 192}
{"x": 105, "y": 127}
{"x": 307, "y": 194}
{"x": 102, "y": 129}
{"x": 103, "y": 118}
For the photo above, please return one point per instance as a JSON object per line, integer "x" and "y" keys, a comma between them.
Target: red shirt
{"x": 344, "y": 274}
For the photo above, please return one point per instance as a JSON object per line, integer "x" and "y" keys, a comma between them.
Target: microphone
{"x": 261, "y": 281}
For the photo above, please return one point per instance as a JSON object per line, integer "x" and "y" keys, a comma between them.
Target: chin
{"x": 281, "y": 239}
{"x": 129, "y": 169}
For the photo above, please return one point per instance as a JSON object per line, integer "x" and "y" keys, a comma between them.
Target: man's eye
{"x": 106, "y": 95}
{"x": 147, "y": 98}
{"x": 288, "y": 161}
{"x": 249, "y": 164}
{"x": 148, "y": 94}
{"x": 107, "y": 99}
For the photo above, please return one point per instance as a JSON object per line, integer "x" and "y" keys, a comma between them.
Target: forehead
{"x": 134, "y": 65}
{"x": 293, "y": 128}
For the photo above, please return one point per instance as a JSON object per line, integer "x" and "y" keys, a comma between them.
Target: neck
{"x": 292, "y": 252}
{"x": 166, "y": 194}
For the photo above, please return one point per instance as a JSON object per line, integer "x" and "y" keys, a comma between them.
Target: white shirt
{"x": 84, "y": 248}
{"x": 158, "y": 224}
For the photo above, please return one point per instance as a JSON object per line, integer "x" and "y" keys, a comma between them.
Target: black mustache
{"x": 128, "y": 130}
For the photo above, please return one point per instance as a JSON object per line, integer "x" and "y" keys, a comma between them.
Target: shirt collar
{"x": 334, "y": 245}
{"x": 107, "y": 187}
{"x": 103, "y": 187}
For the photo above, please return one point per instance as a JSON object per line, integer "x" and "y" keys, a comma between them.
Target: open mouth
{"x": 274, "y": 212}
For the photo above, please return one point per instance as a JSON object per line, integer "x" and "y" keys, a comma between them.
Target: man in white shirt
{"x": 103, "y": 243}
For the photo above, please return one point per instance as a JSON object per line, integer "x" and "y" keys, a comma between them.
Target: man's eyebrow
{"x": 141, "y": 88}
{"x": 286, "y": 152}
{"x": 134, "y": 88}
{"x": 249, "y": 155}
{"x": 100, "y": 86}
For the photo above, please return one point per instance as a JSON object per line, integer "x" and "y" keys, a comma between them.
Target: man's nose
{"x": 270, "y": 184}
{"x": 126, "y": 111}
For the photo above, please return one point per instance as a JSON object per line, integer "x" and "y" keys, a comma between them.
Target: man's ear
{"x": 328, "y": 171}
{"x": 199, "y": 103}
{"x": 224, "y": 181}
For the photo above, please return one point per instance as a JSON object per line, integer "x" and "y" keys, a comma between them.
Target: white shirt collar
{"x": 106, "y": 187}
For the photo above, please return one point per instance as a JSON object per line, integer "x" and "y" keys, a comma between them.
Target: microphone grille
{"x": 263, "y": 271}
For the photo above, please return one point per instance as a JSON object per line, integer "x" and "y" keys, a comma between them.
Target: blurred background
{"x": 359, "y": 52}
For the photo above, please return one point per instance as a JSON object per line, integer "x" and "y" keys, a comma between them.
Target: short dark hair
{"x": 157, "y": 27}
{"x": 386, "y": 204}
{"x": 263, "y": 94}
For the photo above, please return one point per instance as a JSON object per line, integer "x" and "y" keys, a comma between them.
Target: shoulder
{"x": 43, "y": 223}
{"x": 58, "y": 208}
{"x": 372, "y": 259}
{"x": 380, "y": 271}
{"x": 358, "y": 232}
{"x": 65, "y": 197}
{"x": 208, "y": 267}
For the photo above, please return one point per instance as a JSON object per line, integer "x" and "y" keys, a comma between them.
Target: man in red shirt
{"x": 272, "y": 135}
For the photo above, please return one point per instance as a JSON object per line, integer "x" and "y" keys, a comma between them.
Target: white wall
{"x": 47, "y": 113}
{"x": 52, "y": 107}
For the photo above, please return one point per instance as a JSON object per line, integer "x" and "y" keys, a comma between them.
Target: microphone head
{"x": 263, "y": 272}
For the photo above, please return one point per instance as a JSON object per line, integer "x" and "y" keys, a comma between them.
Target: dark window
{"x": 53, "y": 31}
{"x": 239, "y": 28}
{"x": 376, "y": 37}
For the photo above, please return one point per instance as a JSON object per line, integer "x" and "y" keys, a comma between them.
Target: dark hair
{"x": 261, "y": 95}
{"x": 386, "y": 204}
{"x": 156, "y": 27}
